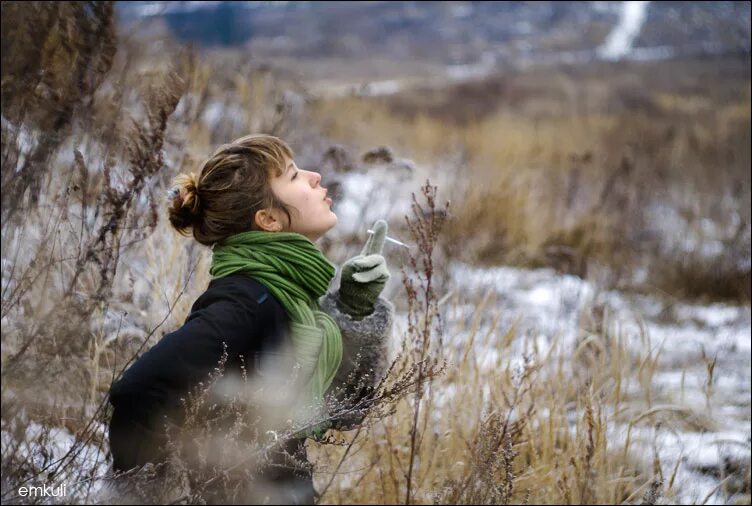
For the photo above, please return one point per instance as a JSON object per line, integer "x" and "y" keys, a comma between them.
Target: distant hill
{"x": 451, "y": 33}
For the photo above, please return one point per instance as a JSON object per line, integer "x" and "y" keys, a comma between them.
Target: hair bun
{"x": 184, "y": 204}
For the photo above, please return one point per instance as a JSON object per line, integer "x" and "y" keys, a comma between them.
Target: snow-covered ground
{"x": 619, "y": 42}
{"x": 547, "y": 306}
{"x": 45, "y": 446}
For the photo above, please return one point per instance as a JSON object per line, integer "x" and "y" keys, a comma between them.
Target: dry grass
{"x": 92, "y": 275}
{"x": 565, "y": 167}
{"x": 494, "y": 431}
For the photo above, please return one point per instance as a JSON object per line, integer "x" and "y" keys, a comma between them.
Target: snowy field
{"x": 551, "y": 306}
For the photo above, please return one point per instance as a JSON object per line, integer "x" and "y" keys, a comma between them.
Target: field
{"x": 584, "y": 337}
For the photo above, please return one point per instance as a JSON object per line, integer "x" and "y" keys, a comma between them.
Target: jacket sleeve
{"x": 365, "y": 348}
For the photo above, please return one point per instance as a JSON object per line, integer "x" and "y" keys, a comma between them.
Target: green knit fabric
{"x": 297, "y": 274}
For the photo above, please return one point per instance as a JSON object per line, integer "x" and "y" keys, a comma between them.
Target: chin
{"x": 334, "y": 224}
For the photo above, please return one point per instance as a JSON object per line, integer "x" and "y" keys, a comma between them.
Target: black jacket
{"x": 235, "y": 310}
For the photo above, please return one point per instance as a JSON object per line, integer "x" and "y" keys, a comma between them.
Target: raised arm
{"x": 365, "y": 349}
{"x": 365, "y": 320}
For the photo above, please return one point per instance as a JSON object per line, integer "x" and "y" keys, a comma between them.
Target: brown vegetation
{"x": 579, "y": 168}
{"x": 92, "y": 276}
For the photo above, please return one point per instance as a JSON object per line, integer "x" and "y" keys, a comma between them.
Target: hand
{"x": 364, "y": 276}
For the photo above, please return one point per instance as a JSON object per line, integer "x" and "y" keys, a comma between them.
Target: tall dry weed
{"x": 68, "y": 216}
{"x": 508, "y": 422}
{"x": 55, "y": 56}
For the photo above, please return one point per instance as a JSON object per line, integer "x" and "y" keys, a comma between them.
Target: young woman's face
{"x": 300, "y": 189}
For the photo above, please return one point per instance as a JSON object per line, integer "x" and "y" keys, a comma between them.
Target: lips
{"x": 325, "y": 192}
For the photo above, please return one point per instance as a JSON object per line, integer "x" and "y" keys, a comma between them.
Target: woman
{"x": 260, "y": 214}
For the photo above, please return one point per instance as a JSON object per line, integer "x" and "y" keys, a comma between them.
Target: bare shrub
{"x": 55, "y": 56}
{"x": 67, "y": 219}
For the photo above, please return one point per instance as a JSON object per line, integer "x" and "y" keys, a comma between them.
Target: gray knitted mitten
{"x": 364, "y": 276}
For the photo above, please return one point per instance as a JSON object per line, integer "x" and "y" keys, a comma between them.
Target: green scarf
{"x": 297, "y": 274}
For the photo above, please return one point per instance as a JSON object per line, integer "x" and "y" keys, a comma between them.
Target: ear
{"x": 267, "y": 220}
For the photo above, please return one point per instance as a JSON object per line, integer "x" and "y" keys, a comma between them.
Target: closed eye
{"x": 295, "y": 175}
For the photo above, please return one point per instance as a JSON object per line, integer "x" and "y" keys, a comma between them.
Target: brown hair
{"x": 233, "y": 184}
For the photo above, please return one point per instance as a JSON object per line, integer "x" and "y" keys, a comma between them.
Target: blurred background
{"x": 597, "y": 160}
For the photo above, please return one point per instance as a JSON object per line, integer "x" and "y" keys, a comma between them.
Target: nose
{"x": 316, "y": 178}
